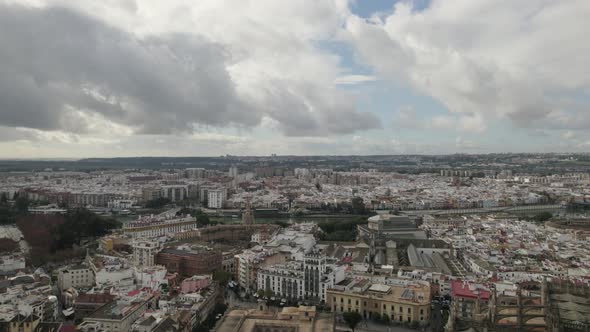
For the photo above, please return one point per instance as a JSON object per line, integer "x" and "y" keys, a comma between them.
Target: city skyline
{"x": 124, "y": 78}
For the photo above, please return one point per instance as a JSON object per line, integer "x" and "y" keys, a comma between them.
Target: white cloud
{"x": 463, "y": 144}
{"x": 354, "y": 79}
{"x": 568, "y": 135}
{"x": 483, "y": 59}
{"x": 443, "y": 122}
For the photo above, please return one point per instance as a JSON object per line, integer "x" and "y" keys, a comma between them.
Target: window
{"x": 384, "y": 307}
{"x": 392, "y": 308}
{"x": 375, "y": 305}
{"x": 341, "y": 300}
{"x": 421, "y": 311}
{"x": 348, "y": 301}
{"x": 409, "y": 310}
{"x": 357, "y": 302}
{"x": 401, "y": 309}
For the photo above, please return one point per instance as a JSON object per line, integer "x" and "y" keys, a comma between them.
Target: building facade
{"x": 149, "y": 227}
{"x": 144, "y": 252}
{"x": 409, "y": 303}
{"x": 189, "y": 263}
{"x": 75, "y": 277}
{"x": 216, "y": 198}
{"x": 307, "y": 279}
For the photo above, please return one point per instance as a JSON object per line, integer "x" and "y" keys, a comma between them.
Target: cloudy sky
{"x": 253, "y": 77}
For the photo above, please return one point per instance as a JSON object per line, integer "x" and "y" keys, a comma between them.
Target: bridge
{"x": 498, "y": 209}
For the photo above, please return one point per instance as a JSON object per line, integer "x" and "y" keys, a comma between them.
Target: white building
{"x": 174, "y": 193}
{"x": 151, "y": 227}
{"x": 9, "y": 263}
{"x": 307, "y": 279}
{"x": 284, "y": 280}
{"x": 216, "y": 198}
{"x": 111, "y": 271}
{"x": 144, "y": 252}
{"x": 150, "y": 277}
{"x": 121, "y": 203}
{"x": 233, "y": 172}
{"x": 75, "y": 277}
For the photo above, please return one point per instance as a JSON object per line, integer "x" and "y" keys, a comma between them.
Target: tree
{"x": 79, "y": 224}
{"x": 202, "y": 218}
{"x": 22, "y": 205}
{"x": 291, "y": 197}
{"x": 352, "y": 319}
{"x": 268, "y": 293}
{"x": 157, "y": 203}
{"x": 222, "y": 277}
{"x": 358, "y": 205}
{"x": 543, "y": 216}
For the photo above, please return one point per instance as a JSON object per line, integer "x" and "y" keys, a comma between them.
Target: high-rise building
{"x": 195, "y": 173}
{"x": 233, "y": 172}
{"x": 175, "y": 193}
{"x": 150, "y": 193}
{"x": 216, "y": 198}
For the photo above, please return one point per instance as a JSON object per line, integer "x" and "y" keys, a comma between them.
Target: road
{"x": 436, "y": 323}
{"x": 233, "y": 301}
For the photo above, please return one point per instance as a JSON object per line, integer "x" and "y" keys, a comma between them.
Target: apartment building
{"x": 307, "y": 279}
{"x": 75, "y": 277}
{"x": 216, "y": 198}
{"x": 144, "y": 252}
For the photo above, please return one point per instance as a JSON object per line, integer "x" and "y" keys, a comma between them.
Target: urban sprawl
{"x": 273, "y": 244}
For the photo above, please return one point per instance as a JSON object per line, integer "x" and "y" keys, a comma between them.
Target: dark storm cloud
{"x": 54, "y": 58}
{"x": 58, "y": 67}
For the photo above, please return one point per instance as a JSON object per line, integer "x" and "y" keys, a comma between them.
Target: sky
{"x": 110, "y": 78}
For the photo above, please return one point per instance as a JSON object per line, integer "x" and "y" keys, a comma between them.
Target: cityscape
{"x": 444, "y": 245}
{"x": 294, "y": 166}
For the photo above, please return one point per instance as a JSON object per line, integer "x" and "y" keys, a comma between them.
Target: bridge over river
{"x": 517, "y": 209}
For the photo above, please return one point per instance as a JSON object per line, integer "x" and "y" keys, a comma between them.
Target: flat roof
{"x": 380, "y": 288}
